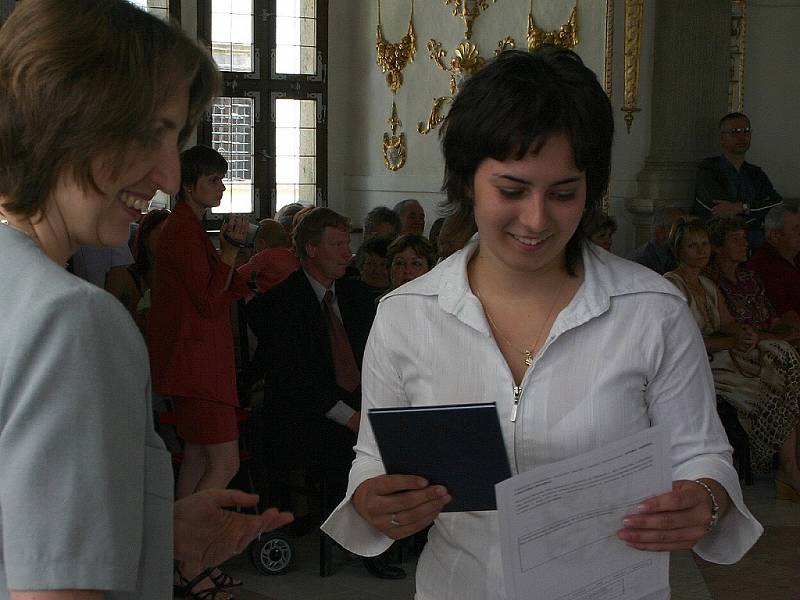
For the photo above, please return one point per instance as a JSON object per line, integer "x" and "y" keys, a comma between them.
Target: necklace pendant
{"x": 528, "y": 358}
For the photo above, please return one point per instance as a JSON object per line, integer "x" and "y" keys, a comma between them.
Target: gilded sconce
{"x": 565, "y": 36}
{"x": 466, "y": 58}
{"x": 392, "y": 58}
{"x": 462, "y": 9}
{"x": 634, "y": 12}
{"x": 394, "y": 146}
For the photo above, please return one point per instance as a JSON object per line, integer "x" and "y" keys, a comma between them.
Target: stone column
{"x": 689, "y": 95}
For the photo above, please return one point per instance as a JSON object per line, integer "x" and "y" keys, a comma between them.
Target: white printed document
{"x": 559, "y": 523}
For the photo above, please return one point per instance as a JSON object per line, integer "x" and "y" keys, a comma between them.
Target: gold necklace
{"x": 531, "y": 352}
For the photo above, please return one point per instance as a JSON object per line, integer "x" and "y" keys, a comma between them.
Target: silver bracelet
{"x": 714, "y": 505}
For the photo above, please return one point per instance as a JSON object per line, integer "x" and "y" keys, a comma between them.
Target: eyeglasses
{"x": 737, "y": 130}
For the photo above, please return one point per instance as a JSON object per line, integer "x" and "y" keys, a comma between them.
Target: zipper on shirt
{"x": 517, "y": 392}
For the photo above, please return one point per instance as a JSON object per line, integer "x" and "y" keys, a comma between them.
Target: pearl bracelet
{"x": 714, "y": 505}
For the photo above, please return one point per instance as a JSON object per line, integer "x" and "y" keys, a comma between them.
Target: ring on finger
{"x": 394, "y": 521}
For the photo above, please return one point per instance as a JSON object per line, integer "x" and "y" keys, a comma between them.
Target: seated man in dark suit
{"x": 312, "y": 329}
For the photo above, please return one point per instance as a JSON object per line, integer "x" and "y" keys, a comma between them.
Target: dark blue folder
{"x": 459, "y": 446}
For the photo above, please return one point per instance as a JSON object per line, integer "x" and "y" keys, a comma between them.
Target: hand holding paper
{"x": 676, "y": 520}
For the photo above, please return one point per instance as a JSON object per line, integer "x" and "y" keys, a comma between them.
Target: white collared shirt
{"x": 623, "y": 355}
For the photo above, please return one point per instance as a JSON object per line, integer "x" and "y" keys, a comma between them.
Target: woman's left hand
{"x": 205, "y": 532}
{"x": 673, "y": 521}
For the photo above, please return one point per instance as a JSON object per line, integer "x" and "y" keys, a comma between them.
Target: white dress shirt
{"x": 623, "y": 355}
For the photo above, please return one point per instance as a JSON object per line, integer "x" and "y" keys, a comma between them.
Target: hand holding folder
{"x": 457, "y": 446}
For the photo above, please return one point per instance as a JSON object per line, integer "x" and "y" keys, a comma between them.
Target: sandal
{"x": 185, "y": 588}
{"x": 223, "y": 580}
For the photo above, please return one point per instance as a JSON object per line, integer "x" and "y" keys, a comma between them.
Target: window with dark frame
{"x": 270, "y": 123}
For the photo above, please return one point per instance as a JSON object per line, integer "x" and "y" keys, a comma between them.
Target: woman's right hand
{"x": 399, "y": 505}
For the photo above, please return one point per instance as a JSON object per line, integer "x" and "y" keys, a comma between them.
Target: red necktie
{"x": 348, "y": 376}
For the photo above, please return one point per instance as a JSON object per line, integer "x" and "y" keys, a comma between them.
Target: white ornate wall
{"x": 360, "y": 101}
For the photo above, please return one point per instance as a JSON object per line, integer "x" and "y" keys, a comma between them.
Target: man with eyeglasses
{"x": 728, "y": 185}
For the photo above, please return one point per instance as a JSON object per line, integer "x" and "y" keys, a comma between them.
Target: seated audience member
{"x": 760, "y": 378}
{"x": 381, "y": 222}
{"x": 727, "y": 185}
{"x": 412, "y": 216}
{"x": 776, "y": 261}
{"x": 600, "y": 230}
{"x": 436, "y": 228}
{"x": 373, "y": 266}
{"x": 741, "y": 288}
{"x": 131, "y": 284}
{"x": 657, "y": 254}
{"x": 409, "y": 256}
{"x": 457, "y": 230}
{"x": 285, "y": 216}
{"x": 312, "y": 329}
{"x": 93, "y": 264}
{"x": 273, "y": 259}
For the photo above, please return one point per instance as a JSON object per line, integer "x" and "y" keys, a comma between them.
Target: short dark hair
{"x": 82, "y": 79}
{"x": 376, "y": 246}
{"x": 199, "y": 161}
{"x": 418, "y": 243}
{"x": 732, "y": 115}
{"x": 680, "y": 229}
{"x": 720, "y": 227}
{"x": 312, "y": 226}
{"x": 378, "y": 215}
{"x": 600, "y": 222}
{"x": 513, "y": 105}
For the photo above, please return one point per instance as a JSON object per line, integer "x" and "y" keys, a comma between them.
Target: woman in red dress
{"x": 189, "y": 331}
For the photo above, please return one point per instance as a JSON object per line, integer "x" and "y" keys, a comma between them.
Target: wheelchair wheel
{"x": 272, "y": 553}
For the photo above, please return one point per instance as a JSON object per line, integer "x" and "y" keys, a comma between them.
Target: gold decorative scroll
{"x": 394, "y": 146}
{"x": 461, "y": 9}
{"x": 609, "y": 49}
{"x": 565, "y": 36}
{"x": 736, "y": 74}
{"x": 466, "y": 60}
{"x": 392, "y": 58}
{"x": 634, "y": 12}
{"x": 435, "y": 117}
{"x": 504, "y": 44}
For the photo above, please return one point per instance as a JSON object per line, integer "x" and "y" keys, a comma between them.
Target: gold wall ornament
{"x": 392, "y": 58}
{"x": 609, "y": 49}
{"x": 461, "y": 9}
{"x": 565, "y": 36}
{"x": 737, "y": 51}
{"x": 466, "y": 60}
{"x": 394, "y": 146}
{"x": 634, "y": 13}
{"x": 435, "y": 117}
{"x": 504, "y": 44}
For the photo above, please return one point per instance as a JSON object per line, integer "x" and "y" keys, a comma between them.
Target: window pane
{"x": 232, "y": 34}
{"x": 158, "y": 8}
{"x": 295, "y": 151}
{"x": 296, "y": 37}
{"x": 232, "y": 136}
